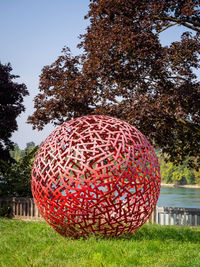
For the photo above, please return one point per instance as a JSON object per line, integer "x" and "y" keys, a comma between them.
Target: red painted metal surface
{"x": 96, "y": 174}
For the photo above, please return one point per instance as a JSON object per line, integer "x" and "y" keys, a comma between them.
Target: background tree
{"x": 30, "y": 145}
{"x": 15, "y": 178}
{"x": 16, "y": 153}
{"x": 11, "y": 99}
{"x": 125, "y": 72}
{"x": 181, "y": 174}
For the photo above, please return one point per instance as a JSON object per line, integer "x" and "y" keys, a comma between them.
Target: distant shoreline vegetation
{"x": 180, "y": 175}
{"x": 181, "y": 186}
{"x": 172, "y": 175}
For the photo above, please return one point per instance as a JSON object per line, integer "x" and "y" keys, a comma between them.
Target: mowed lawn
{"x": 36, "y": 244}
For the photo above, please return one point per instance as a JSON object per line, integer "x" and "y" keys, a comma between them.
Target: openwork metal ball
{"x": 96, "y": 174}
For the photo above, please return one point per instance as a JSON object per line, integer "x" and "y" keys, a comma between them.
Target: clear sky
{"x": 33, "y": 33}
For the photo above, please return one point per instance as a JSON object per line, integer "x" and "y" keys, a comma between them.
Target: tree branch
{"x": 178, "y": 21}
{"x": 178, "y": 78}
{"x": 115, "y": 100}
{"x": 170, "y": 25}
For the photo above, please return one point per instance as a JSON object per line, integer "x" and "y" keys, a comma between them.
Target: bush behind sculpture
{"x": 96, "y": 174}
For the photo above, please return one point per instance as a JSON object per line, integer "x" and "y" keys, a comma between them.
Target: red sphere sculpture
{"x": 96, "y": 174}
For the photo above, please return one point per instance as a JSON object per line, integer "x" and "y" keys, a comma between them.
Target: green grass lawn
{"x": 36, "y": 244}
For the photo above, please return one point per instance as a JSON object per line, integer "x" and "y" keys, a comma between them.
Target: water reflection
{"x": 179, "y": 197}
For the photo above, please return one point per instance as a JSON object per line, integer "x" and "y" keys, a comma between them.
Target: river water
{"x": 179, "y": 197}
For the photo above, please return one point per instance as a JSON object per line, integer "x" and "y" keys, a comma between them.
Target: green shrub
{"x": 5, "y": 211}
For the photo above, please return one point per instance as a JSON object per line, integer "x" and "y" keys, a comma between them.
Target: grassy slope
{"x": 36, "y": 244}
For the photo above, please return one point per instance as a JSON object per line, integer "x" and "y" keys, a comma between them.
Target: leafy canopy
{"x": 124, "y": 71}
{"x": 15, "y": 178}
{"x": 11, "y": 99}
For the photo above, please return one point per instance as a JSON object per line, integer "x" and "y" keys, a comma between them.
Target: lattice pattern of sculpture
{"x": 96, "y": 174}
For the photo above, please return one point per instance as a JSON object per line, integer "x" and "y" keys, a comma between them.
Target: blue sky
{"x": 33, "y": 33}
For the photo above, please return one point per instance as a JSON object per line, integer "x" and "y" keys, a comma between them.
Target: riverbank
{"x": 177, "y": 185}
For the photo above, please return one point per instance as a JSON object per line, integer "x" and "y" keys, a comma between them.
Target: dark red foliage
{"x": 11, "y": 99}
{"x": 125, "y": 72}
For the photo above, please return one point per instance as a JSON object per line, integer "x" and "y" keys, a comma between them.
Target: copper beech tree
{"x": 124, "y": 71}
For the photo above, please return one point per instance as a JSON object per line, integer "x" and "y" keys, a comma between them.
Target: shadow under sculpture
{"x": 96, "y": 174}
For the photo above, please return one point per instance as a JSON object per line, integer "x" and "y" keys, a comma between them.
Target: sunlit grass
{"x": 36, "y": 244}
